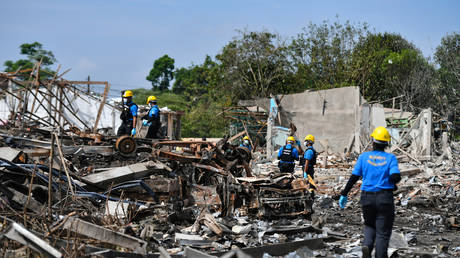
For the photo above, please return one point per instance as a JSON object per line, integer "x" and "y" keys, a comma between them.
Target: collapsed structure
{"x": 70, "y": 188}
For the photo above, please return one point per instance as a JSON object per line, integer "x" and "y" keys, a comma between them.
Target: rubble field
{"x": 68, "y": 189}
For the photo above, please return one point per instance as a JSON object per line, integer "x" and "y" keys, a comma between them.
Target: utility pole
{"x": 88, "y": 90}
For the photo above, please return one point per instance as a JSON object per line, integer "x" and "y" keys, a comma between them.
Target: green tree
{"x": 162, "y": 73}
{"x": 34, "y": 53}
{"x": 194, "y": 82}
{"x": 322, "y": 53}
{"x": 387, "y": 65}
{"x": 254, "y": 64}
{"x": 203, "y": 120}
{"x": 447, "y": 56}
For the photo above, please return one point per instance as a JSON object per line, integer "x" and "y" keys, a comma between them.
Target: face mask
{"x": 246, "y": 142}
{"x": 305, "y": 143}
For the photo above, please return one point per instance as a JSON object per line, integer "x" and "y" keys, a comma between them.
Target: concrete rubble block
{"x": 126, "y": 173}
{"x": 105, "y": 235}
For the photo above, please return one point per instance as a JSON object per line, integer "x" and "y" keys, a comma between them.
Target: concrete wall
{"x": 331, "y": 116}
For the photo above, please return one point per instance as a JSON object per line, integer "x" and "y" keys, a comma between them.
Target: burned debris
{"x": 69, "y": 187}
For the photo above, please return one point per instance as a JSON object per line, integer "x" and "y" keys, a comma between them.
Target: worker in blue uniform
{"x": 128, "y": 115}
{"x": 246, "y": 144}
{"x": 380, "y": 173}
{"x": 287, "y": 155}
{"x": 152, "y": 118}
{"x": 309, "y": 158}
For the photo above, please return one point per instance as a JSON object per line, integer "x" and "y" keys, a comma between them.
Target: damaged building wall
{"x": 340, "y": 119}
{"x": 329, "y": 115}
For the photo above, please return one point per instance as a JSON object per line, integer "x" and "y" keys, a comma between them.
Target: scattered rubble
{"x": 70, "y": 189}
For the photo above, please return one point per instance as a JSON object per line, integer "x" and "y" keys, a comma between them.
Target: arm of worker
{"x": 154, "y": 115}
{"x": 133, "y": 110}
{"x": 280, "y": 152}
{"x": 307, "y": 156}
{"x": 395, "y": 174}
{"x": 355, "y": 176}
{"x": 295, "y": 152}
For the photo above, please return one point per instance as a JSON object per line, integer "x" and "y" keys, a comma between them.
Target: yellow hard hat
{"x": 310, "y": 138}
{"x": 381, "y": 134}
{"x": 290, "y": 139}
{"x": 246, "y": 138}
{"x": 151, "y": 98}
{"x": 127, "y": 94}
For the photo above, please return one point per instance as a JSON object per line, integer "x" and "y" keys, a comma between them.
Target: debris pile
{"x": 68, "y": 187}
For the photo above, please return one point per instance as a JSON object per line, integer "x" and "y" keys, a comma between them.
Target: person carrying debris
{"x": 380, "y": 173}
{"x": 309, "y": 157}
{"x": 128, "y": 115}
{"x": 152, "y": 118}
{"x": 246, "y": 144}
{"x": 287, "y": 155}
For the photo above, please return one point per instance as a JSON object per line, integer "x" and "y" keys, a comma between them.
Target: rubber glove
{"x": 145, "y": 122}
{"x": 133, "y": 132}
{"x": 343, "y": 201}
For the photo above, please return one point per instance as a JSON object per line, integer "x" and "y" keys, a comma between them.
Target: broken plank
{"x": 121, "y": 174}
{"x": 18, "y": 233}
{"x": 105, "y": 235}
{"x": 410, "y": 171}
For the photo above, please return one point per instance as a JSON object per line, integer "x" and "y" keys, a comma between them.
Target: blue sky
{"x": 118, "y": 40}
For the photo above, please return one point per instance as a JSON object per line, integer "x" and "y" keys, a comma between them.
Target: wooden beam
{"x": 88, "y": 82}
{"x": 170, "y": 126}
{"x": 101, "y": 107}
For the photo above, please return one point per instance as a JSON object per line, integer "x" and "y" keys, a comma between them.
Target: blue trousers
{"x": 379, "y": 214}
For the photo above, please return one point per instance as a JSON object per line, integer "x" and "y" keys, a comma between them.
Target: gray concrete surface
{"x": 329, "y": 115}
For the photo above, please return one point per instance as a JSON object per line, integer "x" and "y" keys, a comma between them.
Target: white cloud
{"x": 85, "y": 64}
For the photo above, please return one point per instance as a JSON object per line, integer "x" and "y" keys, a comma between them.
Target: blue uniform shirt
{"x": 375, "y": 167}
{"x": 246, "y": 146}
{"x": 294, "y": 153}
{"x": 132, "y": 110}
{"x": 154, "y": 111}
{"x": 309, "y": 153}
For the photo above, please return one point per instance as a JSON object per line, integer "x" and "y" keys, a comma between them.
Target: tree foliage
{"x": 447, "y": 56}
{"x": 387, "y": 65}
{"x": 322, "y": 53}
{"x": 162, "y": 73}
{"x": 254, "y": 64}
{"x": 35, "y": 53}
{"x": 322, "y": 56}
{"x": 194, "y": 82}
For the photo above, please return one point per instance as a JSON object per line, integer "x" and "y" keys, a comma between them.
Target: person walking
{"x": 380, "y": 174}
{"x": 309, "y": 157}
